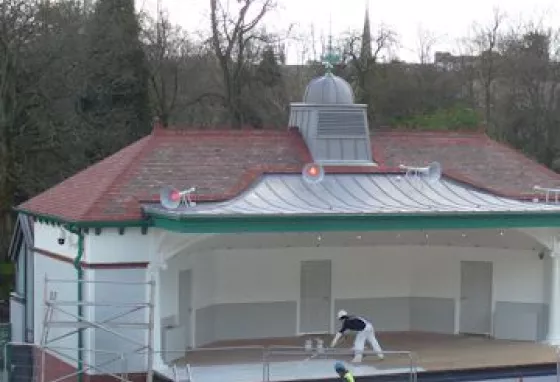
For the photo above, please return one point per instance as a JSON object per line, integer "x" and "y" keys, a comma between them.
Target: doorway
{"x": 315, "y": 296}
{"x": 476, "y": 297}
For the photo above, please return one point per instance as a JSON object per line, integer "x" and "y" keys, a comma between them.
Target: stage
{"x": 286, "y": 360}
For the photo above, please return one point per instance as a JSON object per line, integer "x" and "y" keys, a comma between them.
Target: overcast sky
{"x": 448, "y": 19}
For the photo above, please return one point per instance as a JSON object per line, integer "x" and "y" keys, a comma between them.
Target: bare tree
{"x": 381, "y": 43}
{"x": 233, "y": 37}
{"x": 362, "y": 52}
{"x": 163, "y": 47}
{"x": 174, "y": 60}
{"x": 529, "y": 95}
{"x": 486, "y": 42}
{"x": 425, "y": 45}
{"x": 314, "y": 42}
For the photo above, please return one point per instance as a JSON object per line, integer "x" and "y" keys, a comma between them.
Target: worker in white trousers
{"x": 365, "y": 332}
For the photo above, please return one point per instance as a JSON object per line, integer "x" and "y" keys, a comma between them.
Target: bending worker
{"x": 364, "y": 333}
{"x": 343, "y": 372}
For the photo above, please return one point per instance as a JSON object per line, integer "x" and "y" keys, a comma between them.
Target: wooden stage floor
{"x": 434, "y": 352}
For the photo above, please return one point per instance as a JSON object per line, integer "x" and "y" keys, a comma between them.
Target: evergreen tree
{"x": 268, "y": 70}
{"x": 265, "y": 97}
{"x": 115, "y": 102}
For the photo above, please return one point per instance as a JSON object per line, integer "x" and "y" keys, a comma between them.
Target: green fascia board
{"x": 392, "y": 222}
{"x": 51, "y": 219}
{"x": 312, "y": 223}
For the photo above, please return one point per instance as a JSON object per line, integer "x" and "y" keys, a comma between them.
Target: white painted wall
{"x": 204, "y": 281}
{"x": 252, "y": 275}
{"x": 108, "y": 247}
{"x": 120, "y": 288}
{"x": 436, "y": 272}
{"x": 17, "y": 318}
{"x": 264, "y": 275}
{"x": 274, "y": 274}
{"x": 46, "y": 238}
{"x": 103, "y": 345}
{"x": 54, "y": 269}
{"x": 111, "y": 247}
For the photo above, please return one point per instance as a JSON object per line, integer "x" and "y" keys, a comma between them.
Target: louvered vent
{"x": 349, "y": 124}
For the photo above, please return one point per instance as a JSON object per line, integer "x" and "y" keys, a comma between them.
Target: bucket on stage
{"x": 320, "y": 345}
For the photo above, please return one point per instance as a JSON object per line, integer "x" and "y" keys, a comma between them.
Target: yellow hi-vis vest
{"x": 348, "y": 377}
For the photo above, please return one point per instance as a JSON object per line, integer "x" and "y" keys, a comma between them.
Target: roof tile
{"x": 215, "y": 162}
{"x": 223, "y": 163}
{"x": 471, "y": 157}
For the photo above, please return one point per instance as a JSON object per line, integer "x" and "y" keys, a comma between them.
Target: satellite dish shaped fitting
{"x": 313, "y": 173}
{"x": 432, "y": 173}
{"x": 172, "y": 198}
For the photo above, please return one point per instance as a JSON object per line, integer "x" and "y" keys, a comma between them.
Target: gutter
{"x": 80, "y": 277}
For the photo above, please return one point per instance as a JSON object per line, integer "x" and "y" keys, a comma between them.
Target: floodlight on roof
{"x": 432, "y": 172}
{"x": 313, "y": 173}
{"x": 172, "y": 198}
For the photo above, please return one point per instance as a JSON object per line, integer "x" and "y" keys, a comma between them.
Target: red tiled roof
{"x": 222, "y": 163}
{"x": 473, "y": 158}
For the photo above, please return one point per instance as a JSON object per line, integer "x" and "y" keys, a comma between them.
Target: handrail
{"x": 107, "y": 282}
{"x": 326, "y": 352}
{"x": 189, "y": 373}
{"x": 222, "y": 348}
{"x": 266, "y": 355}
{"x": 334, "y": 351}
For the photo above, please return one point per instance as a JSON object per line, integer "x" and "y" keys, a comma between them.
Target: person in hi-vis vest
{"x": 365, "y": 332}
{"x": 344, "y": 374}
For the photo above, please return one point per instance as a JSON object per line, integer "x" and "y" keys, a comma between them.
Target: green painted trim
{"x": 51, "y": 219}
{"x": 313, "y": 223}
{"x": 80, "y": 276}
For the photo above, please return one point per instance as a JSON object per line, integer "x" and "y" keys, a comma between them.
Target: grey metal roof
{"x": 328, "y": 89}
{"x": 283, "y": 194}
{"x": 334, "y": 133}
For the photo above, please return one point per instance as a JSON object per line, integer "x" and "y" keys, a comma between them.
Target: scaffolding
{"x": 58, "y": 314}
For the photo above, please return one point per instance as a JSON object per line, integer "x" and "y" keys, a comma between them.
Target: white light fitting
{"x": 432, "y": 172}
{"x": 172, "y": 198}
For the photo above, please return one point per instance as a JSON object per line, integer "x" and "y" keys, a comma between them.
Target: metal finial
{"x": 330, "y": 59}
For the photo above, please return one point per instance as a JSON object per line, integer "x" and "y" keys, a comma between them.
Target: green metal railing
{"x": 5, "y": 338}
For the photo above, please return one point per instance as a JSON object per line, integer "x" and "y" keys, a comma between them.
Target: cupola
{"x": 334, "y": 128}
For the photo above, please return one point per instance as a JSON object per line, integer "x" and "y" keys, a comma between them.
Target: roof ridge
{"x": 143, "y": 142}
{"x": 221, "y": 130}
{"x": 443, "y": 133}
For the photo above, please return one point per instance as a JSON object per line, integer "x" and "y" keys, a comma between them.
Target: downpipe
{"x": 80, "y": 277}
